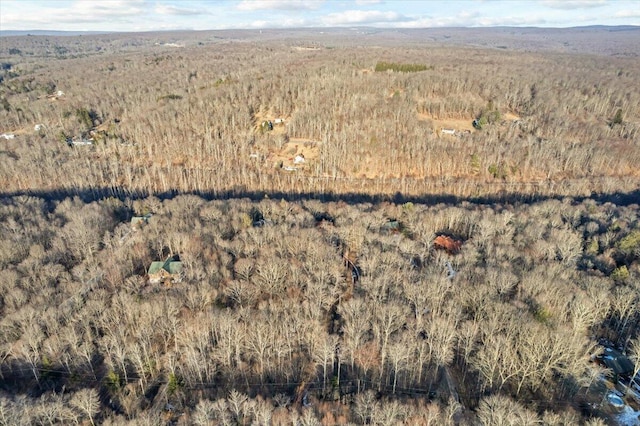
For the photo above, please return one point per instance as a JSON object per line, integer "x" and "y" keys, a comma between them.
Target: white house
{"x": 80, "y": 142}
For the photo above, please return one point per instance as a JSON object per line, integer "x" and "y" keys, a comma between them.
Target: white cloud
{"x": 510, "y": 21}
{"x": 466, "y": 15}
{"x": 259, "y": 24}
{"x": 628, "y": 13}
{"x": 100, "y": 9}
{"x": 166, "y": 9}
{"x": 574, "y": 4}
{"x": 285, "y": 5}
{"x": 279, "y": 23}
{"x": 470, "y": 19}
{"x": 353, "y": 17}
{"x": 137, "y": 15}
{"x": 79, "y": 12}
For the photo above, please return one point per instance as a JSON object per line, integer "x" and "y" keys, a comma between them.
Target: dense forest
{"x": 270, "y": 311}
{"x": 188, "y": 118}
{"x": 305, "y": 187}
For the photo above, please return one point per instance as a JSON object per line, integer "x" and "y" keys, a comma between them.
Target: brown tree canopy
{"x": 323, "y": 290}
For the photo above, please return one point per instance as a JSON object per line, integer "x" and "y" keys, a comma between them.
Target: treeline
{"x": 390, "y": 66}
{"x": 309, "y": 311}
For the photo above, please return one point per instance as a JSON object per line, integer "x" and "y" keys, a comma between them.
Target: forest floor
{"x": 458, "y": 124}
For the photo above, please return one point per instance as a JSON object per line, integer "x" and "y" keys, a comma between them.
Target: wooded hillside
{"x": 372, "y": 231}
{"x": 190, "y": 119}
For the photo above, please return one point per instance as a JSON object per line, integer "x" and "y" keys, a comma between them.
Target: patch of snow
{"x": 450, "y": 271}
{"x": 628, "y": 417}
{"x": 305, "y": 399}
{"x": 8, "y": 136}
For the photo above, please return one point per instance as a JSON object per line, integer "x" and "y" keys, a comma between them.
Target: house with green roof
{"x": 169, "y": 271}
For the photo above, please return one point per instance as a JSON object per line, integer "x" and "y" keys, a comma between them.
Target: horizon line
{"x": 43, "y": 32}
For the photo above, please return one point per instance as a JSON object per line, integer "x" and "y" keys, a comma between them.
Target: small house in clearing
{"x": 138, "y": 221}
{"x": 79, "y": 141}
{"x": 169, "y": 271}
{"x": 392, "y": 226}
{"x": 444, "y": 242}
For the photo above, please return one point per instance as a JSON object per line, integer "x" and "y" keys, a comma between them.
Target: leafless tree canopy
{"x": 312, "y": 292}
{"x": 192, "y": 119}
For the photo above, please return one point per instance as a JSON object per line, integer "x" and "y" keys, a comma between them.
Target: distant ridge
{"x": 612, "y": 28}
{"x": 608, "y": 27}
{"x": 16, "y": 33}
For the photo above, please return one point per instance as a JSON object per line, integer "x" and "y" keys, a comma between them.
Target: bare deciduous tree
{"x": 88, "y": 402}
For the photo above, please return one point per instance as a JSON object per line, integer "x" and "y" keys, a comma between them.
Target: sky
{"x": 154, "y": 15}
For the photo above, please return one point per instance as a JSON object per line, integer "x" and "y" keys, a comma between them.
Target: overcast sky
{"x": 150, "y": 15}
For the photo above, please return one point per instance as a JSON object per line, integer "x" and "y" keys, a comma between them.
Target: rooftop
{"x": 171, "y": 266}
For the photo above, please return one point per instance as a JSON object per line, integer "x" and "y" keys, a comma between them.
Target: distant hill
{"x": 7, "y": 33}
{"x": 623, "y": 40}
{"x": 17, "y": 33}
